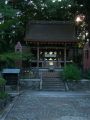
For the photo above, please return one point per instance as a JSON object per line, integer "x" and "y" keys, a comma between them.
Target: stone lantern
{"x": 18, "y": 47}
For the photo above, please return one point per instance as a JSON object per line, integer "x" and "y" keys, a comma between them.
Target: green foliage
{"x": 46, "y": 9}
{"x": 15, "y": 56}
{"x": 71, "y": 73}
{"x": 7, "y": 10}
{"x": 2, "y": 82}
{"x": 31, "y": 10}
{"x": 9, "y": 58}
{"x": 27, "y": 56}
{"x": 3, "y": 95}
{"x": 10, "y": 27}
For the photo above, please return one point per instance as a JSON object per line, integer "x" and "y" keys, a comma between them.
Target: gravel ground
{"x": 40, "y": 105}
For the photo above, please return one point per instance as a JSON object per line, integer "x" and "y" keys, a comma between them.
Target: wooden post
{"x": 40, "y": 80}
{"x": 37, "y": 54}
{"x": 65, "y": 56}
{"x": 57, "y": 59}
{"x": 18, "y": 84}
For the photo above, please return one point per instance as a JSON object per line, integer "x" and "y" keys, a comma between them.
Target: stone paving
{"x": 38, "y": 105}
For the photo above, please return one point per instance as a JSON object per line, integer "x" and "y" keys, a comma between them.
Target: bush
{"x": 2, "y": 82}
{"x": 3, "y": 95}
{"x": 71, "y": 73}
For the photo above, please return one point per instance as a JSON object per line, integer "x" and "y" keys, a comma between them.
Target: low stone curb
{"x": 8, "y": 108}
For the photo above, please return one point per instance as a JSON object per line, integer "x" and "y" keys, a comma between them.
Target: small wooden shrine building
{"x": 11, "y": 76}
{"x": 52, "y": 43}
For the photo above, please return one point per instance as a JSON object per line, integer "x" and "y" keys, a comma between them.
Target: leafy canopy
{"x": 9, "y": 27}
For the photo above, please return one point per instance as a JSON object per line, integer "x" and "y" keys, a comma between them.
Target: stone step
{"x": 50, "y": 74}
{"x": 54, "y": 88}
{"x": 53, "y": 84}
{"x": 55, "y": 78}
{"x": 51, "y": 81}
{"x": 60, "y": 87}
{"x": 56, "y": 84}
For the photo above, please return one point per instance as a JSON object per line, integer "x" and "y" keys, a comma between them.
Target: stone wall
{"x": 33, "y": 84}
{"x": 83, "y": 85}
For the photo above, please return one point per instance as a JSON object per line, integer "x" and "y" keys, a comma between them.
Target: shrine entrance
{"x": 51, "y": 58}
{"x": 56, "y": 56}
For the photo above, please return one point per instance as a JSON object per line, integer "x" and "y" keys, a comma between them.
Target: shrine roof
{"x": 50, "y": 31}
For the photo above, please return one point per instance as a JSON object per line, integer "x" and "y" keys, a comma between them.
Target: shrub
{"x": 2, "y": 82}
{"x": 3, "y": 95}
{"x": 71, "y": 73}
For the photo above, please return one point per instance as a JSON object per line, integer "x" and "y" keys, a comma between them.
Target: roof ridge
{"x": 50, "y": 22}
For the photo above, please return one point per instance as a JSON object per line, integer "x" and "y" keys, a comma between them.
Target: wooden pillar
{"x": 64, "y": 56}
{"x": 57, "y": 59}
{"x": 37, "y": 54}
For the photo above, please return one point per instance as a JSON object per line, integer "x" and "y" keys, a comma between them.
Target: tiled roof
{"x": 50, "y": 31}
{"x": 11, "y": 71}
